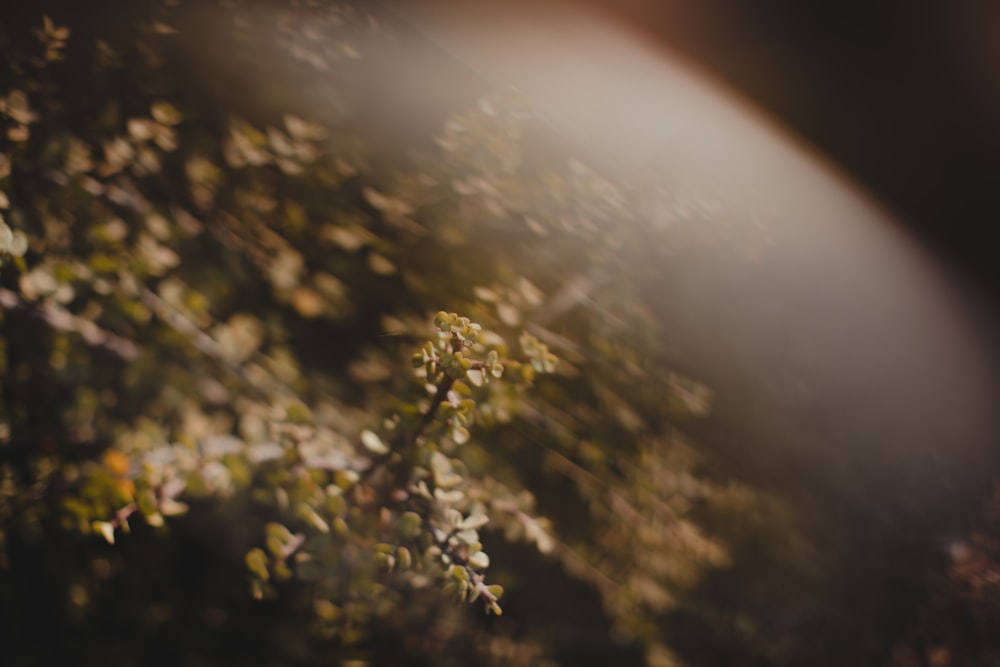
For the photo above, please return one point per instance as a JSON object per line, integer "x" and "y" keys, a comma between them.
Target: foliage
{"x": 956, "y": 624}
{"x": 209, "y": 312}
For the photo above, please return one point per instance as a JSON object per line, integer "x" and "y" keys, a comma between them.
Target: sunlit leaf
{"x": 373, "y": 443}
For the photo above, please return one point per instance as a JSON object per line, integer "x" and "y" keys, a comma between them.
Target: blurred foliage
{"x": 957, "y": 625}
{"x": 212, "y": 316}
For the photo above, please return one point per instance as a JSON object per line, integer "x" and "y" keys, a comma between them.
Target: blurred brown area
{"x": 905, "y": 96}
{"x": 958, "y": 625}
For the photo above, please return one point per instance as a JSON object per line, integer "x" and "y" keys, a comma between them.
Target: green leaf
{"x": 327, "y": 611}
{"x": 373, "y": 443}
{"x": 279, "y": 531}
{"x": 278, "y": 537}
{"x": 313, "y": 518}
{"x": 469, "y": 536}
{"x": 452, "y": 517}
{"x": 476, "y": 377}
{"x": 256, "y": 561}
{"x": 166, "y": 113}
{"x": 479, "y": 560}
{"x": 275, "y": 546}
{"x": 409, "y": 525}
{"x": 146, "y": 500}
{"x": 381, "y": 264}
{"x": 346, "y": 478}
{"x": 105, "y": 529}
{"x": 335, "y": 503}
{"x": 459, "y": 434}
{"x": 474, "y": 521}
{"x": 443, "y": 321}
{"x": 445, "y": 476}
{"x": 298, "y": 413}
{"x": 387, "y": 561}
{"x": 281, "y": 571}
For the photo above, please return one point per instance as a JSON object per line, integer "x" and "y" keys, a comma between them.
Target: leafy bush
{"x": 210, "y": 313}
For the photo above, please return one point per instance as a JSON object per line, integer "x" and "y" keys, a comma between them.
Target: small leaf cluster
{"x": 406, "y": 497}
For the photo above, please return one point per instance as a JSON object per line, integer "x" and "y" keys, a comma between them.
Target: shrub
{"x": 210, "y": 313}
